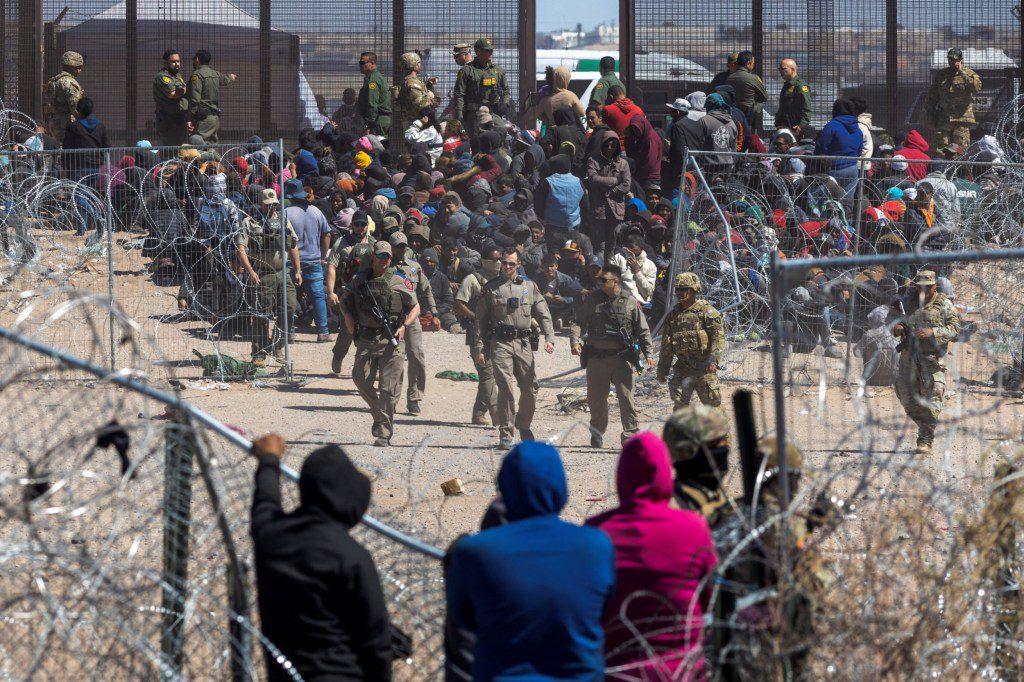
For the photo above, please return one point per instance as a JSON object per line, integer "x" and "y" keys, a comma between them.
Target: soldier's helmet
{"x": 688, "y": 280}
{"x": 955, "y": 54}
{"x": 690, "y": 427}
{"x": 72, "y": 59}
{"x": 410, "y": 60}
{"x": 768, "y": 448}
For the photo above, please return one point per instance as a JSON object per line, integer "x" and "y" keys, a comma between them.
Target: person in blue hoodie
{"x": 842, "y": 137}
{"x": 532, "y": 591}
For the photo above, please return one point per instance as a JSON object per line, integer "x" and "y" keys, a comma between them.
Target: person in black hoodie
{"x": 320, "y": 598}
{"x": 86, "y": 132}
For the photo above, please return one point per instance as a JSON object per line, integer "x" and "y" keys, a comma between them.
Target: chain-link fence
{"x": 161, "y": 233}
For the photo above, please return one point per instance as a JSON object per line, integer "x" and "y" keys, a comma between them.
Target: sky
{"x": 558, "y": 14}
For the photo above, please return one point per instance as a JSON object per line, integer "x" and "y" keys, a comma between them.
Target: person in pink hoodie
{"x": 664, "y": 558}
{"x": 915, "y": 148}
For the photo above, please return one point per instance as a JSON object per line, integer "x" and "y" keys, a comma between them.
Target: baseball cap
{"x": 382, "y": 247}
{"x": 360, "y": 218}
{"x": 483, "y": 44}
{"x": 398, "y": 239}
{"x": 571, "y": 245}
{"x": 680, "y": 104}
{"x": 145, "y": 144}
{"x": 268, "y": 196}
{"x": 952, "y": 148}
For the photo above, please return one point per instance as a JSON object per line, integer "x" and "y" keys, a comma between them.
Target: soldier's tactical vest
{"x": 608, "y": 318}
{"x": 931, "y": 316}
{"x": 390, "y": 301}
{"x": 688, "y": 334}
{"x": 265, "y": 247}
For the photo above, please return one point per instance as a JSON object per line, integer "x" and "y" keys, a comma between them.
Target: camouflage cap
{"x": 461, "y": 48}
{"x": 72, "y": 59}
{"x": 484, "y": 44}
{"x": 925, "y": 278}
{"x": 690, "y": 427}
{"x": 955, "y": 53}
{"x": 409, "y": 61}
{"x": 688, "y": 280}
{"x": 769, "y": 449}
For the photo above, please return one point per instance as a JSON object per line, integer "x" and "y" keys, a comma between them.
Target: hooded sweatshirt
{"x": 561, "y": 98}
{"x": 840, "y": 137}
{"x": 533, "y": 590}
{"x": 644, "y": 146}
{"x": 320, "y": 597}
{"x": 915, "y": 148}
{"x": 618, "y": 115}
{"x": 659, "y": 550}
{"x": 608, "y": 179}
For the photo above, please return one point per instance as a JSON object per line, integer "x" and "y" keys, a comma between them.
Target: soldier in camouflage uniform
{"x": 612, "y": 322}
{"x": 343, "y": 262}
{"x": 374, "y": 294}
{"x": 466, "y": 298}
{"x": 931, "y": 324}
{"x": 949, "y": 103}
{"x": 413, "y": 95}
{"x": 480, "y": 83}
{"x": 62, "y": 94}
{"x": 694, "y": 336}
{"x": 259, "y": 255}
{"x": 405, "y": 265}
{"x": 698, "y": 441}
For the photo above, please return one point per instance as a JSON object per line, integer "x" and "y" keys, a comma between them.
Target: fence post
{"x": 892, "y": 62}
{"x": 109, "y": 222}
{"x": 680, "y": 257}
{"x": 179, "y": 453}
{"x": 131, "y": 71}
{"x": 527, "y": 55}
{"x": 627, "y": 45}
{"x": 266, "y": 123}
{"x": 861, "y": 178}
{"x": 285, "y": 315}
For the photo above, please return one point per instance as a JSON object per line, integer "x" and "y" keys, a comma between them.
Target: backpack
{"x": 214, "y": 221}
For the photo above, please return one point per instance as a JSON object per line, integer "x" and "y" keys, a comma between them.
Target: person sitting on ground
{"x": 320, "y": 598}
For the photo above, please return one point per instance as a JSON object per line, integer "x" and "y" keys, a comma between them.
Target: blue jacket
{"x": 562, "y": 208}
{"x": 533, "y": 590}
{"x": 840, "y": 137}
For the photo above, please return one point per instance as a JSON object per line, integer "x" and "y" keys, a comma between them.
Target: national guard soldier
{"x": 693, "y": 334}
{"x": 406, "y": 267}
{"x": 480, "y": 83}
{"x": 616, "y": 334}
{"x": 414, "y": 94}
{"x": 794, "y": 100}
{"x": 374, "y": 103}
{"x": 949, "y": 104}
{"x": 608, "y": 80}
{"x": 930, "y": 325}
{"x": 204, "y": 95}
{"x": 466, "y": 299}
{"x": 697, "y": 437}
{"x": 507, "y": 307}
{"x": 259, "y": 254}
{"x": 62, "y": 94}
{"x": 379, "y": 306}
{"x": 169, "y": 96}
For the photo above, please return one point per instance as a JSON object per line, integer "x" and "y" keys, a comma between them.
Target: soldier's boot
{"x": 376, "y": 430}
{"x": 381, "y": 442}
{"x": 413, "y": 407}
{"x": 925, "y": 438}
{"x": 596, "y": 440}
{"x": 526, "y": 435}
{"x": 336, "y": 363}
{"x": 279, "y": 354}
{"x": 481, "y": 420}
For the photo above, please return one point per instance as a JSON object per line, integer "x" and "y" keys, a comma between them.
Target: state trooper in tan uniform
{"x": 375, "y": 298}
{"x": 507, "y": 307}
{"x": 695, "y": 339}
{"x": 612, "y": 322}
{"x": 405, "y": 266}
{"x": 62, "y": 94}
{"x": 465, "y": 303}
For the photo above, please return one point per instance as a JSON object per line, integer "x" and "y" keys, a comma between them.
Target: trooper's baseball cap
{"x": 484, "y": 44}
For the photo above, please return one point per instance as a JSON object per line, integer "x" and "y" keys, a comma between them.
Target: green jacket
{"x": 164, "y": 83}
{"x": 750, "y": 94}
{"x": 204, "y": 91}
{"x": 478, "y": 86}
{"x": 600, "y": 93}
{"x": 374, "y": 103}
{"x": 950, "y": 97}
{"x": 794, "y": 105}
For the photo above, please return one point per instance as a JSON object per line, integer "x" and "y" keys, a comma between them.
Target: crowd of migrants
{"x": 407, "y": 214}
